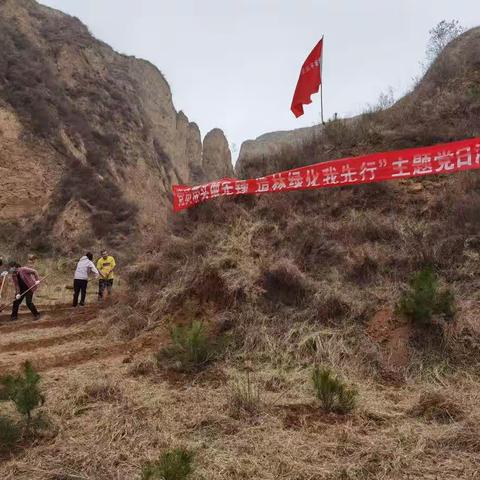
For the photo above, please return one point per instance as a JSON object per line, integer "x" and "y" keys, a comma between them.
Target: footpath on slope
{"x": 64, "y": 337}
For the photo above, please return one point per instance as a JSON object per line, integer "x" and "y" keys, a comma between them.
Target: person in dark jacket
{"x": 25, "y": 280}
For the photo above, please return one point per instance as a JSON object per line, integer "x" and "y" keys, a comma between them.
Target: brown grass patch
{"x": 102, "y": 391}
{"x": 284, "y": 282}
{"x": 436, "y": 406}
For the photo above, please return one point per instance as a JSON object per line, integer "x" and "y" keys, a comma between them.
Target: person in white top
{"x": 85, "y": 267}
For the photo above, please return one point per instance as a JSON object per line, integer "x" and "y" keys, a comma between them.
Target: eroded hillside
{"x": 91, "y": 141}
{"x": 212, "y": 346}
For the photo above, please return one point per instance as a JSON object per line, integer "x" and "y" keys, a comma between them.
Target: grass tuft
{"x": 174, "y": 464}
{"x": 9, "y": 434}
{"x": 333, "y": 394}
{"x": 244, "y": 397}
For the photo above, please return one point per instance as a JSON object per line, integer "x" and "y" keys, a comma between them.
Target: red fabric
{"x": 28, "y": 275}
{"x": 309, "y": 80}
{"x": 377, "y": 167}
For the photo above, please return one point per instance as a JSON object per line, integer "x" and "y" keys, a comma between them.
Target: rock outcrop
{"x": 217, "y": 160}
{"x": 272, "y": 144}
{"x": 85, "y": 128}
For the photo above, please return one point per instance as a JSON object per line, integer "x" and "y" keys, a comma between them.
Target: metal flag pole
{"x": 321, "y": 102}
{"x": 321, "y": 81}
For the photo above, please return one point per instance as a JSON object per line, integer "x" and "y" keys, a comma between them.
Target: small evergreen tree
{"x": 191, "y": 347}
{"x": 423, "y": 299}
{"x": 23, "y": 390}
{"x": 176, "y": 464}
{"x": 333, "y": 394}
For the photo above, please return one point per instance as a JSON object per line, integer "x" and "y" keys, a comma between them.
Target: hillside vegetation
{"x": 321, "y": 278}
{"x": 330, "y": 335}
{"x": 333, "y": 257}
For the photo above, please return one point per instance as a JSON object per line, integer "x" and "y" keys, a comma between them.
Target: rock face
{"x": 270, "y": 145}
{"x": 217, "y": 160}
{"x": 87, "y": 134}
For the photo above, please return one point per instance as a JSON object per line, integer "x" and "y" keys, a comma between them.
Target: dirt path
{"x": 62, "y": 337}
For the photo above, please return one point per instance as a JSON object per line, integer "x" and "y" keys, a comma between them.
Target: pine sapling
{"x": 23, "y": 390}
{"x": 192, "y": 349}
{"x": 333, "y": 394}
{"x": 423, "y": 299}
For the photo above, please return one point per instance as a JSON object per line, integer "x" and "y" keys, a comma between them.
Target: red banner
{"x": 377, "y": 167}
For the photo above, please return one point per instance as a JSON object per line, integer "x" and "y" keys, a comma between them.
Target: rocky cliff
{"x": 90, "y": 139}
{"x": 215, "y": 152}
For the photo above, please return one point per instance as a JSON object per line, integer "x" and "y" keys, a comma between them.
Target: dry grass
{"x": 142, "y": 367}
{"x": 102, "y": 391}
{"x": 438, "y": 407}
{"x": 296, "y": 280}
{"x": 288, "y": 438}
{"x": 244, "y": 397}
{"x": 288, "y": 301}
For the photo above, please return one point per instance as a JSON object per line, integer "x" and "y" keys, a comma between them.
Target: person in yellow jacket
{"x": 105, "y": 266}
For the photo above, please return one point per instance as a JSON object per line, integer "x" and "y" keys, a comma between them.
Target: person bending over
{"x": 84, "y": 268}
{"x": 25, "y": 280}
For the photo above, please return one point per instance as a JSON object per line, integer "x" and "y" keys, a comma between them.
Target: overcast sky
{"x": 234, "y": 64}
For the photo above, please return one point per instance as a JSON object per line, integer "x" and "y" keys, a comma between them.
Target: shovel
{"x": 2, "y": 305}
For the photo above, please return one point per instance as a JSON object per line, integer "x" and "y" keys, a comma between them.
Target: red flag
{"x": 309, "y": 80}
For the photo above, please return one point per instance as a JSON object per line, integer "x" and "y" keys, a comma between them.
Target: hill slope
{"x": 91, "y": 141}
{"x": 282, "y": 283}
{"x": 444, "y": 106}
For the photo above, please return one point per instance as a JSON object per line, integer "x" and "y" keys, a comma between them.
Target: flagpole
{"x": 321, "y": 102}
{"x": 321, "y": 82}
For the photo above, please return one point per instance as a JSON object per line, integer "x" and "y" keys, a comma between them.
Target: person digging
{"x": 105, "y": 265}
{"x": 25, "y": 280}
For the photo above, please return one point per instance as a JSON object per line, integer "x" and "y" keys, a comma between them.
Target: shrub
{"x": 244, "y": 397}
{"x": 423, "y": 299}
{"x": 192, "y": 349}
{"x": 332, "y": 392}
{"x": 173, "y": 465}
{"x": 440, "y": 36}
{"x": 23, "y": 391}
{"x": 331, "y": 306}
{"x": 9, "y": 434}
{"x": 284, "y": 282}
